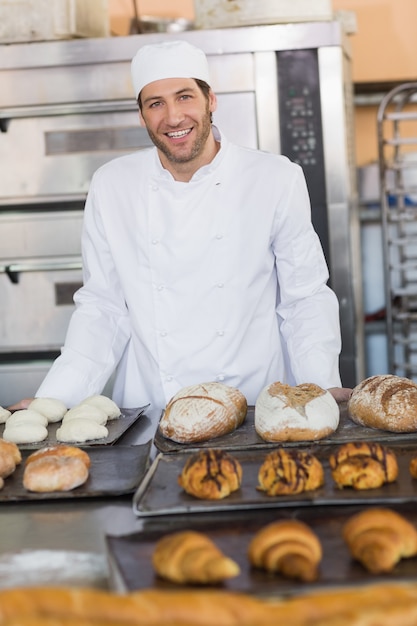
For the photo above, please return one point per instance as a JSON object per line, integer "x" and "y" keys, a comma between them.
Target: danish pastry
{"x": 286, "y": 472}
{"x": 288, "y": 547}
{"x": 413, "y": 467}
{"x": 363, "y": 465}
{"x": 191, "y": 557}
{"x": 211, "y": 475}
{"x": 378, "y": 538}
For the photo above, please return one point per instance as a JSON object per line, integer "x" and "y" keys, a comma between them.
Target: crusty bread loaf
{"x": 302, "y": 413}
{"x": 387, "y": 402}
{"x": 202, "y": 412}
{"x": 211, "y": 474}
{"x": 10, "y": 456}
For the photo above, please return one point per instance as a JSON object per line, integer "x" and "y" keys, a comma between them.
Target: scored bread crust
{"x": 304, "y": 412}
{"x": 202, "y": 412}
{"x": 386, "y": 402}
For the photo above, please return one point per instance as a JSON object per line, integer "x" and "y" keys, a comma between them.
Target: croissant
{"x": 211, "y": 474}
{"x": 288, "y": 547}
{"x": 191, "y": 557}
{"x": 378, "y": 538}
{"x": 363, "y": 465}
{"x": 286, "y": 472}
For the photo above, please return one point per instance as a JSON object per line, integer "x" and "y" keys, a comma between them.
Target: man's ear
{"x": 212, "y": 101}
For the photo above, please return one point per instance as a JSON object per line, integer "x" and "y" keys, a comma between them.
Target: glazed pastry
{"x": 211, "y": 475}
{"x": 286, "y": 472}
{"x": 191, "y": 557}
{"x": 288, "y": 547}
{"x": 413, "y": 467}
{"x": 203, "y": 412}
{"x": 302, "y": 413}
{"x": 363, "y": 465}
{"x": 379, "y": 538}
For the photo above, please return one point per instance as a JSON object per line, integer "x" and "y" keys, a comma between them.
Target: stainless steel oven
{"x": 66, "y": 107}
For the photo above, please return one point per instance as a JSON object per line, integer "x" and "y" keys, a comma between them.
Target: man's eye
{"x": 154, "y": 105}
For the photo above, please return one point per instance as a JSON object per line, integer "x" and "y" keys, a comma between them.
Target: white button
{"x": 155, "y": 241}
{"x": 161, "y": 287}
{"x": 220, "y": 377}
{"x": 220, "y": 285}
{"x": 219, "y": 236}
{"x": 155, "y": 187}
{"x": 163, "y": 333}
{"x": 220, "y": 333}
{"x": 168, "y": 379}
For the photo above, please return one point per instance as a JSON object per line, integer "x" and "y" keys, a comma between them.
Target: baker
{"x": 200, "y": 261}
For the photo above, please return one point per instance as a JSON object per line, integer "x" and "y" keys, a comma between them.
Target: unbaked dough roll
{"x": 105, "y": 404}
{"x": 26, "y": 416}
{"x": 79, "y": 430}
{"x": 25, "y": 432}
{"x": 387, "y": 402}
{"x": 86, "y": 411}
{"x": 53, "y": 409}
{"x": 302, "y": 413}
{"x": 4, "y": 415}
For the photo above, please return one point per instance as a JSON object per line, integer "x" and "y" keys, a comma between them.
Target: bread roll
{"x": 387, "y": 402}
{"x": 302, "y": 413}
{"x": 53, "y": 409}
{"x": 4, "y": 415}
{"x": 56, "y": 468}
{"x": 26, "y": 415}
{"x": 60, "y": 450}
{"x": 10, "y": 456}
{"x": 202, "y": 412}
{"x": 25, "y": 432}
{"x": 87, "y": 411}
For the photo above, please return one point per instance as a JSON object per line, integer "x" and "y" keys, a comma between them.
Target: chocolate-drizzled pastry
{"x": 363, "y": 465}
{"x": 286, "y": 472}
{"x": 211, "y": 475}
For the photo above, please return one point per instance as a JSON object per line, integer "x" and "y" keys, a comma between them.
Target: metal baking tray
{"x": 160, "y": 494}
{"x": 246, "y": 437}
{"x": 116, "y": 427}
{"x": 131, "y": 569}
{"x": 114, "y": 471}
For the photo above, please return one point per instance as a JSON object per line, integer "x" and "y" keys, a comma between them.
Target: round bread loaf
{"x": 386, "y": 402}
{"x": 202, "y": 412}
{"x": 302, "y": 413}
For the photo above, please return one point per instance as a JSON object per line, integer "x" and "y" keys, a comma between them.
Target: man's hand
{"x": 340, "y": 394}
{"x": 22, "y": 404}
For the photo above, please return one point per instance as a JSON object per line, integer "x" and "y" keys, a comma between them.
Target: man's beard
{"x": 196, "y": 148}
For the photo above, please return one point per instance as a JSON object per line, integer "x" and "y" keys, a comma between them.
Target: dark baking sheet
{"x": 114, "y": 470}
{"x": 116, "y": 427}
{"x": 130, "y": 555}
{"x": 246, "y": 437}
{"x": 160, "y": 494}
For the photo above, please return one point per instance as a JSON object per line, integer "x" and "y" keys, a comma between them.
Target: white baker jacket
{"x": 219, "y": 279}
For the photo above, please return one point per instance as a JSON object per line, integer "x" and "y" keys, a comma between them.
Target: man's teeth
{"x": 179, "y": 133}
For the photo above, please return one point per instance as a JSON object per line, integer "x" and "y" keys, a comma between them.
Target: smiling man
{"x": 200, "y": 260}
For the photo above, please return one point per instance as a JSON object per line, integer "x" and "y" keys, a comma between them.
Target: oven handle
{"x": 15, "y": 269}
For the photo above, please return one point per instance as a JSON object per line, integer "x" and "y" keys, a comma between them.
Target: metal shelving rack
{"x": 397, "y": 149}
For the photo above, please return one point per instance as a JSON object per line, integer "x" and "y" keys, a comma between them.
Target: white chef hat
{"x": 168, "y": 59}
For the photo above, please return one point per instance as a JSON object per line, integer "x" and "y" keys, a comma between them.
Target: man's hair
{"x": 204, "y": 87}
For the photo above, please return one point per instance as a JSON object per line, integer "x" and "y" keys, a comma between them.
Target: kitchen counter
{"x": 65, "y": 539}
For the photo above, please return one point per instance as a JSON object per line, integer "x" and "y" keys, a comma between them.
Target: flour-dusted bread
{"x": 202, "y": 412}
{"x": 385, "y": 401}
{"x": 302, "y": 413}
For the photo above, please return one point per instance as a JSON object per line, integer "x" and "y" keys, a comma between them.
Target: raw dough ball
{"x": 52, "y": 408}
{"x": 4, "y": 415}
{"x": 81, "y": 429}
{"x": 26, "y": 415}
{"x": 25, "y": 432}
{"x": 84, "y": 411}
{"x": 105, "y": 404}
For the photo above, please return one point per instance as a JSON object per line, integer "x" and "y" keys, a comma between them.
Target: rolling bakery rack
{"x": 397, "y": 150}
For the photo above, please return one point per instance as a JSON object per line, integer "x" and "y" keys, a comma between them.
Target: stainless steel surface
{"x": 397, "y": 147}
